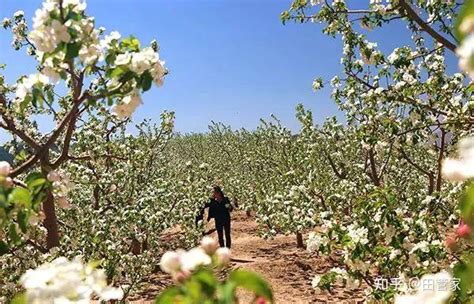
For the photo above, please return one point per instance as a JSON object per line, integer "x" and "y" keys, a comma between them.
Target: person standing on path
{"x": 219, "y": 209}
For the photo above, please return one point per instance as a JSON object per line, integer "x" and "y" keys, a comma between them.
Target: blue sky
{"x": 230, "y": 60}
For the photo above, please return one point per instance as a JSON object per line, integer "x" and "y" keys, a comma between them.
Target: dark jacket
{"x": 200, "y": 216}
{"x": 219, "y": 210}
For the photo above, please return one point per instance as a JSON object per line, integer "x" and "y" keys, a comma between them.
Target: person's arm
{"x": 210, "y": 214}
{"x": 234, "y": 203}
{"x": 228, "y": 204}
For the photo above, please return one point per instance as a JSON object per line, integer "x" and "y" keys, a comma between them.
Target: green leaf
{"x": 21, "y": 156}
{"x": 110, "y": 58}
{"x": 24, "y": 104}
{"x": 466, "y": 205}
{"x": 193, "y": 291}
{"x": 131, "y": 44}
{"x": 465, "y": 273}
{"x": 74, "y": 16}
{"x": 4, "y": 248}
{"x": 13, "y": 234}
{"x": 37, "y": 182}
{"x": 117, "y": 72}
{"x": 228, "y": 293}
{"x": 50, "y": 96}
{"x": 207, "y": 281}
{"x": 467, "y": 10}
{"x": 34, "y": 98}
{"x": 145, "y": 81}
{"x": 252, "y": 282}
{"x": 72, "y": 50}
{"x": 22, "y": 219}
{"x": 32, "y": 177}
{"x": 20, "y": 196}
{"x": 127, "y": 76}
{"x": 20, "y": 299}
{"x": 3, "y": 203}
{"x": 169, "y": 296}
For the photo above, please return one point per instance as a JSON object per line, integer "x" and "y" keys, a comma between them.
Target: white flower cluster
{"x": 181, "y": 263}
{"x": 5, "y": 170}
{"x": 26, "y": 85}
{"x": 110, "y": 39}
{"x": 317, "y": 84}
{"x": 428, "y": 295}
{"x": 341, "y": 277}
{"x": 370, "y": 55}
{"x": 19, "y": 28}
{"x": 316, "y": 2}
{"x": 422, "y": 246}
{"x": 60, "y": 23}
{"x": 379, "y": 5}
{"x": 139, "y": 63}
{"x": 63, "y": 281}
{"x": 61, "y": 187}
{"x": 466, "y": 50}
{"x": 315, "y": 240}
{"x": 6, "y": 22}
{"x": 145, "y": 60}
{"x": 128, "y": 105}
{"x": 48, "y": 33}
{"x": 462, "y": 168}
{"x": 358, "y": 234}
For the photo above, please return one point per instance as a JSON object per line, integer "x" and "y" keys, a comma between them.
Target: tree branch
{"x": 425, "y": 27}
{"x": 10, "y": 126}
{"x": 419, "y": 168}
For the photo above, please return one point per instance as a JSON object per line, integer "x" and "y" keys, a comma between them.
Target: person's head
{"x": 217, "y": 192}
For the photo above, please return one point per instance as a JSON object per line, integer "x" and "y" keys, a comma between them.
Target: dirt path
{"x": 288, "y": 269}
{"x": 277, "y": 260}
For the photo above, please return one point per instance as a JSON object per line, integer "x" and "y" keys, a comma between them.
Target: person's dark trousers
{"x": 223, "y": 227}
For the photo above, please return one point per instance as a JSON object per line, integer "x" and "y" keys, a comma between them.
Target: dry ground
{"x": 288, "y": 269}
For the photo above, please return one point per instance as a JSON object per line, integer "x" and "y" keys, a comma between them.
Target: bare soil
{"x": 287, "y": 268}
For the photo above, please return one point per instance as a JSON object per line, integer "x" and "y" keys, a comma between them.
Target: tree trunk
{"x": 431, "y": 184}
{"x": 248, "y": 213}
{"x": 51, "y": 221}
{"x": 373, "y": 168}
{"x": 145, "y": 244}
{"x": 96, "y": 197}
{"x": 299, "y": 240}
{"x": 135, "y": 247}
{"x": 439, "y": 180}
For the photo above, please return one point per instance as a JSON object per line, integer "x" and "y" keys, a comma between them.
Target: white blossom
{"x": 113, "y": 36}
{"x": 63, "y": 281}
{"x": 315, "y": 240}
{"x": 315, "y": 281}
{"x": 428, "y": 295}
{"x": 209, "y": 245}
{"x": 316, "y": 2}
{"x": 5, "y": 168}
{"x": 171, "y": 262}
{"x": 53, "y": 176}
{"x": 358, "y": 234}
{"x": 123, "y": 59}
{"x": 466, "y": 52}
{"x": 26, "y": 85}
{"x": 89, "y": 54}
{"x": 194, "y": 258}
{"x": 128, "y": 105}
{"x": 462, "y": 168}
{"x": 223, "y": 255}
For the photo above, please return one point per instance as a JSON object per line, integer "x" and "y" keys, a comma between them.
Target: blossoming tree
{"x": 97, "y": 71}
{"x": 407, "y": 111}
